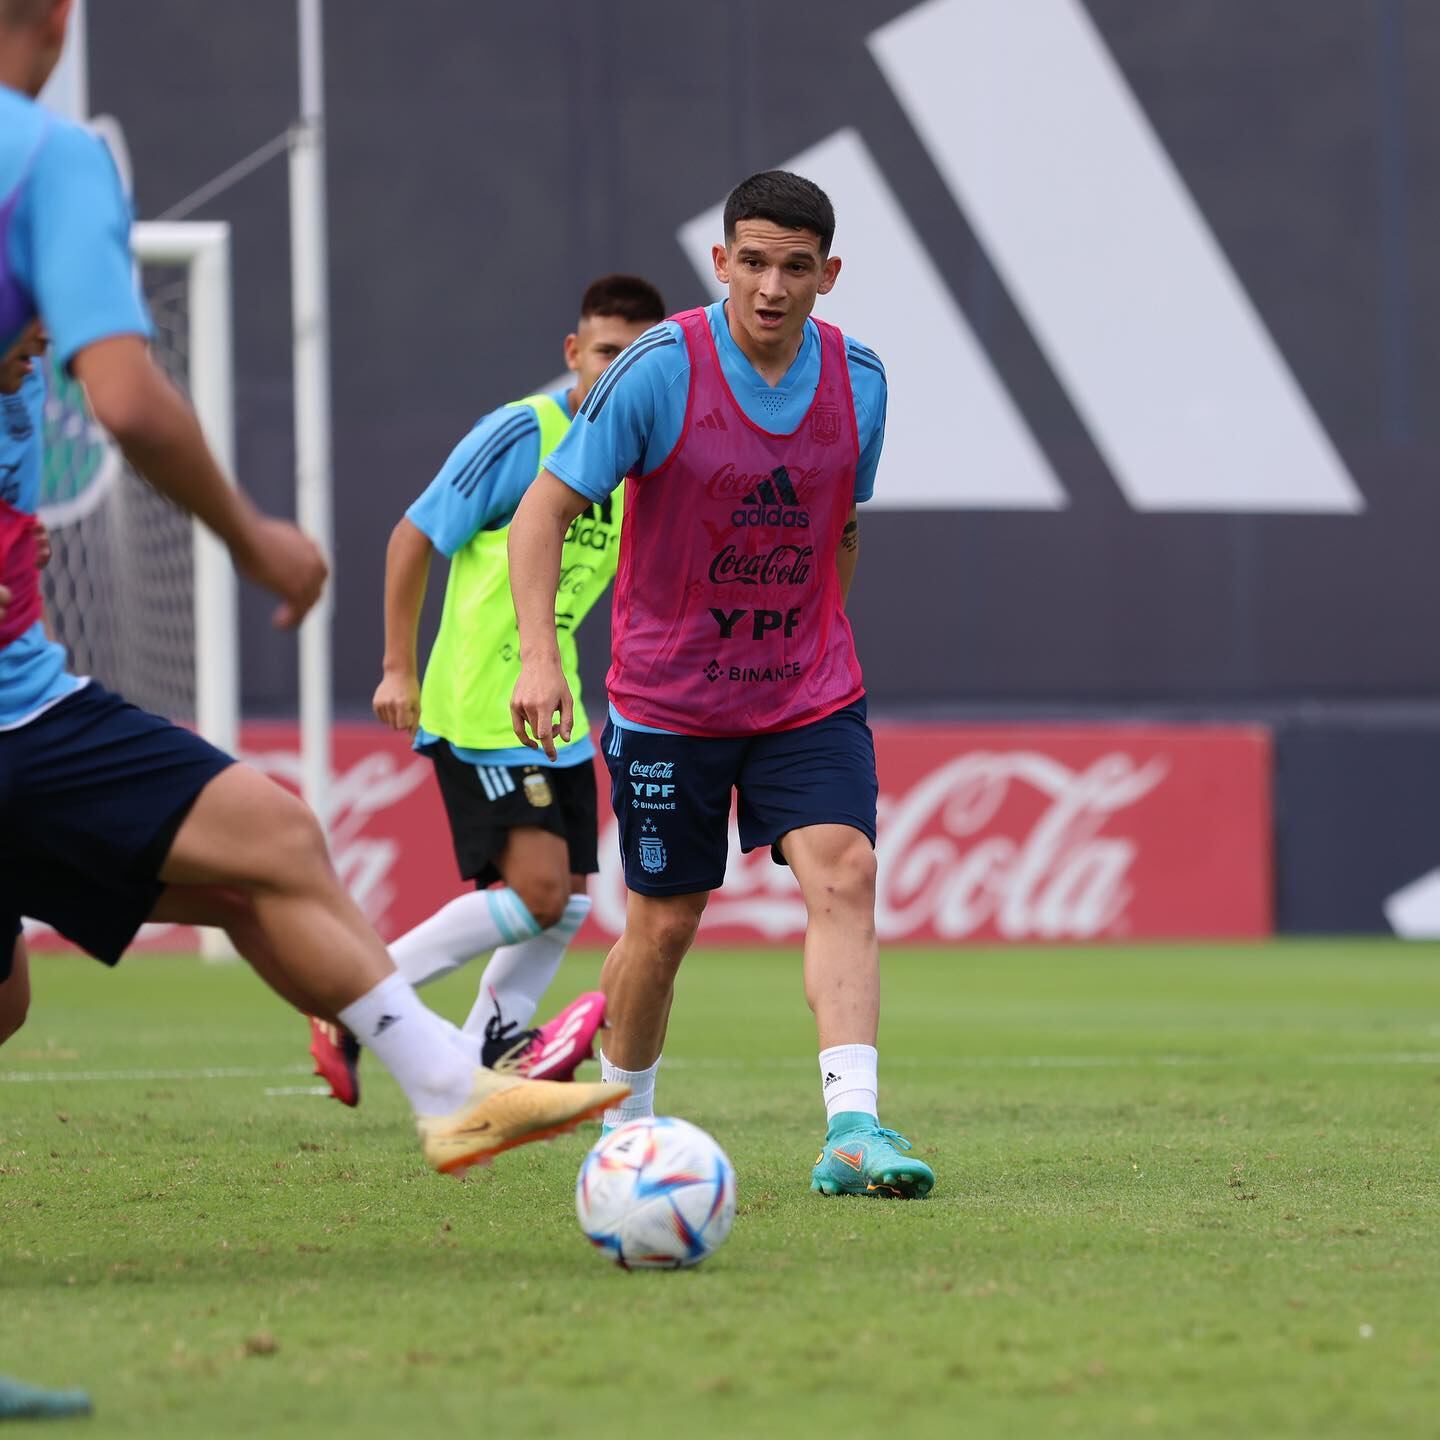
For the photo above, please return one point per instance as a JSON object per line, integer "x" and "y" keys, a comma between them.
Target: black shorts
{"x": 671, "y": 795}
{"x": 92, "y": 793}
{"x": 486, "y": 802}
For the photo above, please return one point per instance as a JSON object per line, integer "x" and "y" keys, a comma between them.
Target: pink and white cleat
{"x": 557, "y": 1049}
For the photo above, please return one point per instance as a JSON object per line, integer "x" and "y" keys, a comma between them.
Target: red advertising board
{"x": 1036, "y": 833}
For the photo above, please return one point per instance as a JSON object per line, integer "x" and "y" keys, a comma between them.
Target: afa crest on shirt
{"x": 825, "y": 424}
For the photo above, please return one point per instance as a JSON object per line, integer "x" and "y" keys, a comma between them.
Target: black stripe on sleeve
{"x": 466, "y": 480}
{"x": 616, "y": 373}
{"x": 864, "y": 364}
{"x": 495, "y": 455}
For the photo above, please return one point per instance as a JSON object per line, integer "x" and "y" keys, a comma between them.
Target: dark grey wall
{"x": 486, "y": 161}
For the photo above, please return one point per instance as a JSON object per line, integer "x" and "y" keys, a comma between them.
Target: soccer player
{"x": 516, "y": 817}
{"x": 110, "y": 816}
{"x": 22, "y": 399}
{"x": 747, "y": 432}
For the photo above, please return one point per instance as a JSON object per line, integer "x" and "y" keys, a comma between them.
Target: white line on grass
{"x": 218, "y": 1072}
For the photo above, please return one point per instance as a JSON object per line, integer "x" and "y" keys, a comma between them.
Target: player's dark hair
{"x": 627, "y": 297}
{"x": 784, "y": 199}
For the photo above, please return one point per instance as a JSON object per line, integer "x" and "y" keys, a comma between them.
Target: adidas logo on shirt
{"x": 773, "y": 502}
{"x": 715, "y": 420}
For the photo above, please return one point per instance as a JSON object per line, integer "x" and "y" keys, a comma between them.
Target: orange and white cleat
{"x": 505, "y": 1110}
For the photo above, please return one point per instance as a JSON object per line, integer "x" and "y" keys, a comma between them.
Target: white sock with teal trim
{"x": 518, "y": 975}
{"x": 849, "y": 1079}
{"x": 414, "y": 1044}
{"x": 468, "y": 926}
{"x": 639, "y": 1104}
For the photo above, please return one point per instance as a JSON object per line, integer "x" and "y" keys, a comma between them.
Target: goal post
{"x": 202, "y": 250}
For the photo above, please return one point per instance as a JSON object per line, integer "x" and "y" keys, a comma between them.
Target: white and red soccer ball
{"x": 656, "y": 1194}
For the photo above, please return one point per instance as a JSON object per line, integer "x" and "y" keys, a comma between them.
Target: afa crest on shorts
{"x": 537, "y": 790}
{"x": 652, "y": 849}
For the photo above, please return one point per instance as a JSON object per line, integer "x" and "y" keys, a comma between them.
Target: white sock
{"x": 639, "y": 1104}
{"x": 468, "y": 926}
{"x": 849, "y": 1079}
{"x": 414, "y": 1044}
{"x": 518, "y": 975}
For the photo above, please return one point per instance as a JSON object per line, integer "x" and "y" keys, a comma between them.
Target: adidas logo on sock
{"x": 715, "y": 420}
{"x": 386, "y": 1021}
{"x": 831, "y": 1078}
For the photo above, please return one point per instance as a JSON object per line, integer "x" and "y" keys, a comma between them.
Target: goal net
{"x": 142, "y": 597}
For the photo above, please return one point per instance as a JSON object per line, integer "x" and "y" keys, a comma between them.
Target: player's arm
{"x": 847, "y": 556}
{"x": 157, "y": 431}
{"x": 537, "y": 535}
{"x": 82, "y": 278}
{"x": 407, "y": 573}
{"x": 607, "y": 442}
{"x": 477, "y": 488}
{"x": 868, "y": 385}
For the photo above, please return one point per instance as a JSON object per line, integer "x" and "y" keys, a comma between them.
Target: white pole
{"x": 310, "y": 310}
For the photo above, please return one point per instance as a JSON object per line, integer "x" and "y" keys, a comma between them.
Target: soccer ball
{"x": 656, "y": 1194}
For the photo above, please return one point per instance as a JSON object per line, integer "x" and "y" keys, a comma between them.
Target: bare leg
{"x": 246, "y": 833}
{"x": 639, "y": 974}
{"x": 536, "y": 865}
{"x": 234, "y": 912}
{"x": 15, "y": 992}
{"x": 835, "y": 866}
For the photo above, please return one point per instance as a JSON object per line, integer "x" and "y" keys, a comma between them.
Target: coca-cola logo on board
{"x": 948, "y": 862}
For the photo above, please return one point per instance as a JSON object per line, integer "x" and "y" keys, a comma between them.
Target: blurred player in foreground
{"x": 748, "y": 433}
{"x": 110, "y": 816}
{"x": 516, "y": 816}
{"x": 22, "y": 404}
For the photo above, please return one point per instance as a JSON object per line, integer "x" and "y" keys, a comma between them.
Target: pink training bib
{"x": 18, "y": 573}
{"x": 728, "y": 617}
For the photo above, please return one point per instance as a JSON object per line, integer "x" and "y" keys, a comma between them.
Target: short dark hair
{"x": 783, "y": 199}
{"x": 626, "y": 296}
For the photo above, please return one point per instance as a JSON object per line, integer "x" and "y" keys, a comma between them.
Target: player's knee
{"x": 12, "y": 1019}
{"x": 670, "y": 932}
{"x": 14, "y": 1005}
{"x": 544, "y": 896}
{"x": 295, "y": 847}
{"x": 850, "y": 878}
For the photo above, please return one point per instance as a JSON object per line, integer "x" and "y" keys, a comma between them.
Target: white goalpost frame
{"x": 310, "y": 317}
{"x": 202, "y": 248}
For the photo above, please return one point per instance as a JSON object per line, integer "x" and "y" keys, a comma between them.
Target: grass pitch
{"x": 1181, "y": 1191}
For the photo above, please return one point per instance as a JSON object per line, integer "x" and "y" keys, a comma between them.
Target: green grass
{"x": 1187, "y": 1191}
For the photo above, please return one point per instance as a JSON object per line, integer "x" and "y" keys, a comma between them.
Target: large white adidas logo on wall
{"x": 1106, "y": 255}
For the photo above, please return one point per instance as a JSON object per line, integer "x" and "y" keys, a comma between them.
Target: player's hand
{"x": 397, "y": 701}
{"x": 4, "y": 601}
{"x": 42, "y": 545}
{"x": 279, "y": 558}
{"x": 540, "y": 694}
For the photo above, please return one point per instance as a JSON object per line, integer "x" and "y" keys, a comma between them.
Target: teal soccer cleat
{"x": 28, "y": 1402}
{"x": 860, "y": 1157}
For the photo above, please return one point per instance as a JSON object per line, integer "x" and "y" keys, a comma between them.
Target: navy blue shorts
{"x": 92, "y": 793}
{"x": 671, "y": 795}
